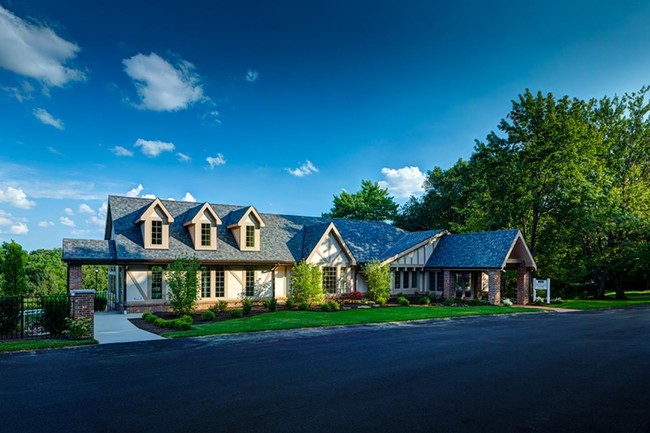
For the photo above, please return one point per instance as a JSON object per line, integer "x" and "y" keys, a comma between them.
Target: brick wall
{"x": 449, "y": 292}
{"x": 494, "y": 287}
{"x": 74, "y": 277}
{"x": 523, "y": 284}
{"x": 82, "y": 304}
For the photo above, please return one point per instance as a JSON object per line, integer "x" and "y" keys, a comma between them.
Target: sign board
{"x": 542, "y": 285}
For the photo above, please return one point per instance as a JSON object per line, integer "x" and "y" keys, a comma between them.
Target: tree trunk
{"x": 602, "y": 282}
{"x": 620, "y": 292}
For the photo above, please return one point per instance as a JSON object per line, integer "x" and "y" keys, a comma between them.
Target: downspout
{"x": 273, "y": 281}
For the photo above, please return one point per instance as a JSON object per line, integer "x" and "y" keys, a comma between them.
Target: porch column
{"x": 523, "y": 284}
{"x": 74, "y": 277}
{"x": 494, "y": 287}
{"x": 448, "y": 286}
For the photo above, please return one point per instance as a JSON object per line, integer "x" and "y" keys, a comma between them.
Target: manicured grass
{"x": 313, "y": 319}
{"x": 13, "y": 346}
{"x": 633, "y": 298}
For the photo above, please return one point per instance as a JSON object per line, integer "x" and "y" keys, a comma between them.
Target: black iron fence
{"x": 33, "y": 317}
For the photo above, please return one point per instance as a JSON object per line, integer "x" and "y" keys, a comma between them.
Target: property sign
{"x": 542, "y": 285}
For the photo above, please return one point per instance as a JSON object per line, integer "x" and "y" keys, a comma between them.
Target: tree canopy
{"x": 371, "y": 203}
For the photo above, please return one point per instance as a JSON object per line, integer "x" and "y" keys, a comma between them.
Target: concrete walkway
{"x": 113, "y": 327}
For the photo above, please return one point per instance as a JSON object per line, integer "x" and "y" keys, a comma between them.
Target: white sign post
{"x": 542, "y": 285}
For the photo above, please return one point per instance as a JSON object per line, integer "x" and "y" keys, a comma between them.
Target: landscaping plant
{"x": 378, "y": 277}
{"x": 306, "y": 284}
{"x": 182, "y": 277}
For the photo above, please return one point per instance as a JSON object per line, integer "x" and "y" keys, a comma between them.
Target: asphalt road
{"x": 554, "y": 372}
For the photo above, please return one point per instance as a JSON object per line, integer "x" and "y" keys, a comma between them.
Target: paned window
{"x": 206, "y": 235}
{"x": 250, "y": 282}
{"x": 156, "y": 283}
{"x": 405, "y": 281}
{"x": 156, "y": 233}
{"x": 398, "y": 279}
{"x": 414, "y": 279}
{"x": 206, "y": 286}
{"x": 329, "y": 279}
{"x": 250, "y": 236}
{"x": 440, "y": 281}
{"x": 219, "y": 282}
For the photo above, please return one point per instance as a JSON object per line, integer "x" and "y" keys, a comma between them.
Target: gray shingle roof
{"x": 485, "y": 250}
{"x": 310, "y": 236}
{"x": 407, "y": 241}
{"x": 88, "y": 250}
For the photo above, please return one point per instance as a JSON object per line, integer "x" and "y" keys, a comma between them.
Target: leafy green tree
{"x": 378, "y": 277}
{"x": 182, "y": 278}
{"x": 370, "y": 203}
{"x": 12, "y": 266}
{"x": 46, "y": 272}
{"x": 94, "y": 277}
{"x": 306, "y": 284}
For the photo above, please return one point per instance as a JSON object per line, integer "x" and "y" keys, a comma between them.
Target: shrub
{"x": 208, "y": 316}
{"x": 151, "y": 318}
{"x": 236, "y": 313}
{"x": 539, "y": 301}
{"x": 403, "y": 302}
{"x": 159, "y": 322}
{"x": 325, "y": 307}
{"x": 9, "y": 314}
{"x": 306, "y": 284}
{"x": 433, "y": 298}
{"x": 219, "y": 306}
{"x": 186, "y": 318}
{"x": 378, "y": 277}
{"x": 56, "y": 308}
{"x": 424, "y": 300}
{"x": 77, "y": 329}
{"x": 506, "y": 302}
{"x": 146, "y": 315}
{"x": 289, "y": 304}
{"x": 449, "y": 302}
{"x": 334, "y": 305}
{"x": 303, "y": 306}
{"x": 271, "y": 304}
{"x": 184, "y": 326}
{"x": 182, "y": 278}
{"x": 478, "y": 302}
{"x": 100, "y": 301}
{"x": 247, "y": 306}
{"x": 352, "y": 296}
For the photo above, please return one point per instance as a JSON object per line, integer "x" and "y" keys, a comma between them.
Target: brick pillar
{"x": 523, "y": 284}
{"x": 74, "y": 277}
{"x": 82, "y": 304}
{"x": 448, "y": 287}
{"x": 494, "y": 287}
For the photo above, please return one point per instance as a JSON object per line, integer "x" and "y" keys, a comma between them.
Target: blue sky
{"x": 276, "y": 104}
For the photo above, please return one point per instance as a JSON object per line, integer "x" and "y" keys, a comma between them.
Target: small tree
{"x": 378, "y": 277}
{"x": 13, "y": 260}
{"x": 182, "y": 277}
{"x": 306, "y": 284}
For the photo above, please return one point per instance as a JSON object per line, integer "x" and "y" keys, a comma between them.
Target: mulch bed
{"x": 220, "y": 317}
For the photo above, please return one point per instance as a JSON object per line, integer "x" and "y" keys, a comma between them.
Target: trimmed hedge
{"x": 184, "y": 323}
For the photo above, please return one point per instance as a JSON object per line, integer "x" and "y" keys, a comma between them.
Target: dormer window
{"x": 154, "y": 225}
{"x": 245, "y": 227}
{"x": 156, "y": 232}
{"x": 250, "y": 236}
{"x": 202, "y": 226}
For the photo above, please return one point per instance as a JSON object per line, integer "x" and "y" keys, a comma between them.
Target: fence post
{"x": 82, "y": 304}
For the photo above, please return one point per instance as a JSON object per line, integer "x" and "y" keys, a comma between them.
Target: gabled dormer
{"x": 246, "y": 228}
{"x": 203, "y": 228}
{"x": 154, "y": 224}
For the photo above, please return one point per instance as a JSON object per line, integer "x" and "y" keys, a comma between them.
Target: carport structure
{"x": 473, "y": 263}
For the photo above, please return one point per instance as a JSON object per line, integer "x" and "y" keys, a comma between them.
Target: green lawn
{"x": 313, "y": 319}
{"x": 13, "y": 346}
{"x": 633, "y": 298}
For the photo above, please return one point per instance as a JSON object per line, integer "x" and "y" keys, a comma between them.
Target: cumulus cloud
{"x": 67, "y": 222}
{"x": 148, "y": 195}
{"x": 215, "y": 161}
{"x": 135, "y": 192}
{"x": 188, "y": 197}
{"x": 183, "y": 158}
{"x": 162, "y": 86}
{"x": 153, "y": 148}
{"x": 68, "y": 211}
{"x": 16, "y": 197}
{"x": 403, "y": 182}
{"x": 84, "y": 208}
{"x": 121, "y": 151}
{"x": 34, "y": 50}
{"x": 96, "y": 221}
{"x": 304, "y": 170}
{"x": 45, "y": 224}
{"x": 47, "y": 119}
{"x": 14, "y": 226}
{"x": 251, "y": 76}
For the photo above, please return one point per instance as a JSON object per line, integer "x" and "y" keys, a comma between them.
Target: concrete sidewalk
{"x": 114, "y": 327}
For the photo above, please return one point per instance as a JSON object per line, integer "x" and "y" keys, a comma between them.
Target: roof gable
{"x": 239, "y": 217}
{"x": 156, "y": 204}
{"x": 325, "y": 230}
{"x": 205, "y": 208}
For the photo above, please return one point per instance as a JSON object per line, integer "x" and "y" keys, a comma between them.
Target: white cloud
{"x": 84, "y": 208}
{"x": 162, "y": 86}
{"x": 121, "y": 151}
{"x": 211, "y": 117}
{"x": 45, "y": 117}
{"x": 67, "y": 222}
{"x": 16, "y": 197}
{"x": 46, "y": 224}
{"x": 15, "y": 224}
{"x": 304, "y": 170}
{"x": 183, "y": 158}
{"x": 135, "y": 192}
{"x": 68, "y": 211}
{"x": 403, "y": 182}
{"x": 215, "y": 161}
{"x": 252, "y": 76}
{"x": 103, "y": 209}
{"x": 19, "y": 229}
{"x": 153, "y": 148}
{"x": 188, "y": 197}
{"x": 22, "y": 93}
{"x": 36, "y": 51}
{"x": 96, "y": 221}
{"x": 54, "y": 151}
{"x": 148, "y": 195}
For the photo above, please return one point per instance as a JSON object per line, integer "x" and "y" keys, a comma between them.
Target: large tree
{"x": 12, "y": 266}
{"x": 371, "y": 203}
{"x": 46, "y": 272}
